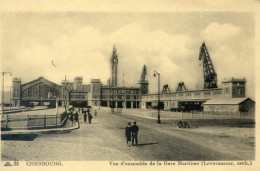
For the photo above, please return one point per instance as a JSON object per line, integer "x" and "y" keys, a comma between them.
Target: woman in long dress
{"x": 128, "y": 133}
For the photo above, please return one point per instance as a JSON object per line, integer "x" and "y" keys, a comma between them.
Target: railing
{"x": 33, "y": 121}
{"x": 189, "y": 115}
{"x": 205, "y": 115}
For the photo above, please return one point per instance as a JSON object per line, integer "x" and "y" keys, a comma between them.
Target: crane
{"x": 181, "y": 87}
{"x": 210, "y": 77}
{"x": 166, "y": 89}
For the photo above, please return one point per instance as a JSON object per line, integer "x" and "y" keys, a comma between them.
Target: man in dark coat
{"x": 85, "y": 116}
{"x": 76, "y": 116}
{"x": 128, "y": 133}
{"x": 134, "y": 130}
{"x": 89, "y": 117}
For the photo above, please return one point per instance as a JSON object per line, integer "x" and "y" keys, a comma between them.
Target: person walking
{"x": 128, "y": 133}
{"x": 85, "y": 116}
{"x": 89, "y": 117}
{"x": 134, "y": 130}
{"x": 71, "y": 117}
{"x": 95, "y": 113}
{"x": 76, "y": 116}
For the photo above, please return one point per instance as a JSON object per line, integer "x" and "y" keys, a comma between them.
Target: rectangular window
{"x": 227, "y": 90}
{"x": 217, "y": 92}
{"x": 196, "y": 94}
{"x": 239, "y": 91}
{"x": 206, "y": 93}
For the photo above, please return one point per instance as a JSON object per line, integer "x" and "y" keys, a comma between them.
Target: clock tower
{"x": 143, "y": 82}
{"x": 114, "y": 62}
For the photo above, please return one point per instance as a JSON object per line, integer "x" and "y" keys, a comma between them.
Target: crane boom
{"x": 210, "y": 77}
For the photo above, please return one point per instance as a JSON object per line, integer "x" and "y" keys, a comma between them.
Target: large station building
{"x": 44, "y": 92}
{"x": 230, "y": 97}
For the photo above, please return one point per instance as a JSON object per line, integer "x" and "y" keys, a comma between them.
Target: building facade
{"x": 232, "y": 89}
{"x": 36, "y": 92}
{"x": 44, "y": 92}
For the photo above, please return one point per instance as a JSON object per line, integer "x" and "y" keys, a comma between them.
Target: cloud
{"x": 220, "y": 33}
{"x": 86, "y": 52}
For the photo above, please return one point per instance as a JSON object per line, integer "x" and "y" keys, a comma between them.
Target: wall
{"x": 221, "y": 108}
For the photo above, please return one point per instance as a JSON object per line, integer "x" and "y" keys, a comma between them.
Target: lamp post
{"x": 156, "y": 73}
{"x": 10, "y": 91}
{"x": 3, "y": 87}
{"x": 57, "y": 105}
{"x": 65, "y": 94}
{"x": 112, "y": 100}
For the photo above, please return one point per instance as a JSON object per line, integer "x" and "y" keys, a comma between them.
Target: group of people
{"x": 74, "y": 115}
{"x": 131, "y": 134}
{"x": 87, "y": 115}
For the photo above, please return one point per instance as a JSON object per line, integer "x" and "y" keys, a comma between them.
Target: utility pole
{"x": 65, "y": 89}
{"x": 159, "y": 117}
{"x": 3, "y": 87}
{"x": 10, "y": 102}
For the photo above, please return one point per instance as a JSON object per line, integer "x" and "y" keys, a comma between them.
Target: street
{"x": 104, "y": 139}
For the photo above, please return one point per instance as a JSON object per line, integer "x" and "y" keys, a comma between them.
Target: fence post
{"x": 27, "y": 120}
{"x": 230, "y": 113}
{"x": 181, "y": 115}
{"x": 6, "y": 122}
{"x": 44, "y": 121}
{"x": 201, "y": 114}
{"x": 239, "y": 114}
{"x": 191, "y": 115}
{"x": 211, "y": 114}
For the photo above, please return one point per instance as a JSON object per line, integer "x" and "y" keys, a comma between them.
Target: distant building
{"x": 44, "y": 92}
{"x": 230, "y": 105}
{"x": 34, "y": 91}
{"x": 233, "y": 90}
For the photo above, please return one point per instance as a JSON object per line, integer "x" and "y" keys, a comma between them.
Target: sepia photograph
{"x": 128, "y": 86}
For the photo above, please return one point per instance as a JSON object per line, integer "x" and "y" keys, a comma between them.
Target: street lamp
{"x": 156, "y": 73}
{"x": 65, "y": 93}
{"x": 3, "y": 87}
{"x": 10, "y": 91}
{"x": 57, "y": 101}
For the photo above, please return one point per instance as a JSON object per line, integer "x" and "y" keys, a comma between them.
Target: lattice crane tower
{"x": 210, "y": 77}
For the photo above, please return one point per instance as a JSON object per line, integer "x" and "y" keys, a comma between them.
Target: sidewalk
{"x": 67, "y": 127}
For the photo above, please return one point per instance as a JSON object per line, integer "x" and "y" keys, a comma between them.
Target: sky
{"x": 81, "y": 44}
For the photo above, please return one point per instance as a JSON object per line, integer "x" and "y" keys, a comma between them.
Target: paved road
{"x": 104, "y": 140}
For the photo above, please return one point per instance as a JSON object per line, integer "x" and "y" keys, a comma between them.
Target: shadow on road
{"x": 19, "y": 137}
{"x": 144, "y": 144}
